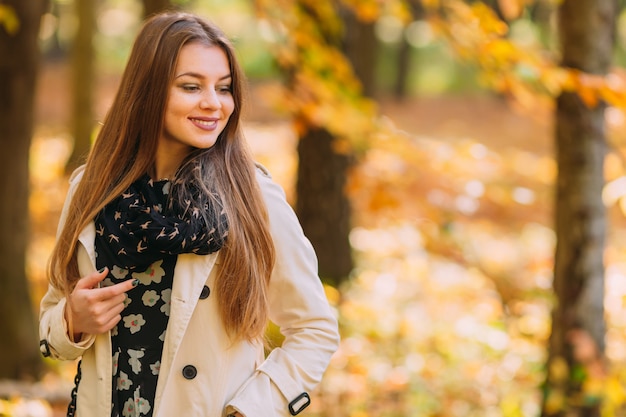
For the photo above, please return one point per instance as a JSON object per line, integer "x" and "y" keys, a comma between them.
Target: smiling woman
{"x": 175, "y": 250}
{"x": 199, "y": 105}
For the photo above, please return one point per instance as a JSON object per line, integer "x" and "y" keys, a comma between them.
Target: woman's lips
{"x": 204, "y": 123}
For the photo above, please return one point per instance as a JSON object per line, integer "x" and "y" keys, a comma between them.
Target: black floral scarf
{"x": 142, "y": 225}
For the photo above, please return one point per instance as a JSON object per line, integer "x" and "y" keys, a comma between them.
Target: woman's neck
{"x": 168, "y": 160}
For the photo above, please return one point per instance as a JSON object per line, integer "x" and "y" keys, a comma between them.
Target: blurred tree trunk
{"x": 322, "y": 205}
{"x": 19, "y": 62}
{"x": 361, "y": 47}
{"x": 403, "y": 68}
{"x": 55, "y": 49}
{"x": 151, "y": 7}
{"x": 83, "y": 57}
{"x": 586, "y": 29}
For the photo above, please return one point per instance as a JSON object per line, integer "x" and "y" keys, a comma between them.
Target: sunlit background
{"x": 447, "y": 312}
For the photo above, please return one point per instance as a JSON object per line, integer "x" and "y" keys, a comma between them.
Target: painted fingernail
{"x": 135, "y": 282}
{"x": 101, "y": 270}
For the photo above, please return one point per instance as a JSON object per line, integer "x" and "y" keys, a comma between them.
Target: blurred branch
{"x": 479, "y": 36}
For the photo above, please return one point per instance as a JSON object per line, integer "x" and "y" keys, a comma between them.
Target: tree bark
{"x": 405, "y": 52}
{"x": 403, "y": 70}
{"x": 322, "y": 205}
{"x": 587, "y": 37}
{"x": 361, "y": 47}
{"x": 19, "y": 353}
{"x": 82, "y": 82}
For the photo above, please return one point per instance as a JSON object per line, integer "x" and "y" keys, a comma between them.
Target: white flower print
{"x": 150, "y": 298}
{"x": 141, "y": 404}
{"x": 166, "y": 296}
{"x": 114, "y": 331}
{"x": 155, "y": 367}
{"x": 134, "y": 361}
{"x": 129, "y": 408}
{"x": 134, "y": 322}
{"x": 127, "y": 300}
{"x": 166, "y": 188}
{"x": 107, "y": 282}
{"x": 118, "y": 272}
{"x": 162, "y": 337}
{"x": 154, "y": 273}
{"x": 116, "y": 358}
{"x": 123, "y": 382}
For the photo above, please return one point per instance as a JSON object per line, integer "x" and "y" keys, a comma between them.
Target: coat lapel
{"x": 190, "y": 275}
{"x": 87, "y": 238}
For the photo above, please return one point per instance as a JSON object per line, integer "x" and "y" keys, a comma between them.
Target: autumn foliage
{"x": 448, "y": 310}
{"x": 451, "y": 226}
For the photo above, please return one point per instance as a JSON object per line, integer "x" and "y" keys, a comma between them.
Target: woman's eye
{"x": 190, "y": 87}
{"x": 225, "y": 89}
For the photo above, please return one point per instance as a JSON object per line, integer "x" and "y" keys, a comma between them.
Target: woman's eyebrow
{"x": 200, "y": 76}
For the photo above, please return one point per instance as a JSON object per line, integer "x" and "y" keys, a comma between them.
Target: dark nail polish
{"x": 101, "y": 270}
{"x": 135, "y": 282}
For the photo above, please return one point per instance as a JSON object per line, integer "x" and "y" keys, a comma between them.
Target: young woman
{"x": 174, "y": 251}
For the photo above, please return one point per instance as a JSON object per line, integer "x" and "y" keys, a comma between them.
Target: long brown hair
{"x": 125, "y": 149}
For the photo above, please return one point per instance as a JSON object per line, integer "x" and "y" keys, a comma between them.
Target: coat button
{"x": 190, "y": 372}
{"x": 44, "y": 348}
{"x": 205, "y": 292}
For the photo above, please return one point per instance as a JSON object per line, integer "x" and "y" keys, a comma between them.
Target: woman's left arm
{"x": 298, "y": 305}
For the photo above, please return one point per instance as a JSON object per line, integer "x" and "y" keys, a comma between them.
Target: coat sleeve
{"x": 53, "y": 328}
{"x": 299, "y": 307}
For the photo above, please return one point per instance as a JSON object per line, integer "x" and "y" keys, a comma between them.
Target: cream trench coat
{"x": 202, "y": 374}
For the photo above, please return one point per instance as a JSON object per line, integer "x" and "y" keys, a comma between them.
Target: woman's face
{"x": 199, "y": 103}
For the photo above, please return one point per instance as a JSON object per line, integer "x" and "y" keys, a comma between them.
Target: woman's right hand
{"x": 95, "y": 310}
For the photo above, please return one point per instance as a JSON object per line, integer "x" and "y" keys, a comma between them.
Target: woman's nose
{"x": 210, "y": 100}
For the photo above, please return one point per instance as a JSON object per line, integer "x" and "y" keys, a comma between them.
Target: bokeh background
{"x": 435, "y": 221}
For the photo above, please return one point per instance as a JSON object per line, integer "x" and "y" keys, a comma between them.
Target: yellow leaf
{"x": 593, "y": 387}
{"x": 559, "y": 370}
{"x": 587, "y": 88}
{"x": 615, "y": 391}
{"x": 570, "y": 80}
{"x": 332, "y": 294}
{"x": 555, "y": 402}
{"x": 500, "y": 50}
{"x": 554, "y": 79}
{"x": 489, "y": 21}
{"x": 589, "y": 96}
{"x": 613, "y": 96}
{"x": 8, "y": 19}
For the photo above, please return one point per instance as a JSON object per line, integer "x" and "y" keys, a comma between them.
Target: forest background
{"x": 478, "y": 268}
